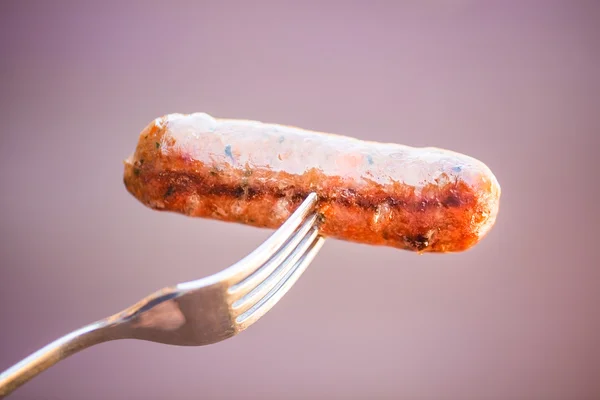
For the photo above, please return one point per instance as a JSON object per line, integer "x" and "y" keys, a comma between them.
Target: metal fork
{"x": 200, "y": 312}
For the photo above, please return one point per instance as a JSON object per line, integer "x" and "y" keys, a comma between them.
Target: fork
{"x": 199, "y": 312}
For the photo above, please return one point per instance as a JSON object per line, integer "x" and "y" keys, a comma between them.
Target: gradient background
{"x": 515, "y": 84}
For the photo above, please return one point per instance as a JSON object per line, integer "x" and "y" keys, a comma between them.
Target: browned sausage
{"x": 420, "y": 199}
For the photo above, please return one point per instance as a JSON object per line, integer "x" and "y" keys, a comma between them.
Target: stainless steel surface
{"x": 199, "y": 312}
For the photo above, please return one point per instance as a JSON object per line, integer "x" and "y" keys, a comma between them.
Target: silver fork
{"x": 200, "y": 312}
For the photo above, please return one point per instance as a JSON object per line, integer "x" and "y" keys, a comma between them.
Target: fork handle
{"x": 52, "y": 353}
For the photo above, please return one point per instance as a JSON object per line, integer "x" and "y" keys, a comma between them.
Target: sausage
{"x": 419, "y": 199}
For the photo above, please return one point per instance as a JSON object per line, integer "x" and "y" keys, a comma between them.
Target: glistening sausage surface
{"x": 420, "y": 199}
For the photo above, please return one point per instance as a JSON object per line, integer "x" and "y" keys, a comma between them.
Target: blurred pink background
{"x": 515, "y": 84}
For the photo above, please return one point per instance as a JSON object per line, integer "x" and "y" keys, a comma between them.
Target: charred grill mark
{"x": 238, "y": 192}
{"x": 297, "y": 196}
{"x": 251, "y": 193}
{"x": 320, "y": 218}
{"x": 170, "y": 191}
{"x": 362, "y": 202}
{"x": 453, "y": 200}
{"x": 178, "y": 182}
{"x": 395, "y": 202}
{"x": 417, "y": 242}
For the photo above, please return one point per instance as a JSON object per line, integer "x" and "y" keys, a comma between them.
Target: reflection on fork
{"x": 198, "y": 312}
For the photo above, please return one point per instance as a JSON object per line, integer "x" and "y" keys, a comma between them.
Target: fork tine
{"x": 258, "y": 276}
{"x": 283, "y": 285}
{"x": 261, "y": 289}
{"x": 277, "y": 239}
{"x": 262, "y": 253}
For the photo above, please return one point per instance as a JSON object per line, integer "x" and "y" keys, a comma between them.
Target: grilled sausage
{"x": 419, "y": 199}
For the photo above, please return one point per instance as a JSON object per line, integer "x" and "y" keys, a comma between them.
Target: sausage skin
{"x": 419, "y": 199}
